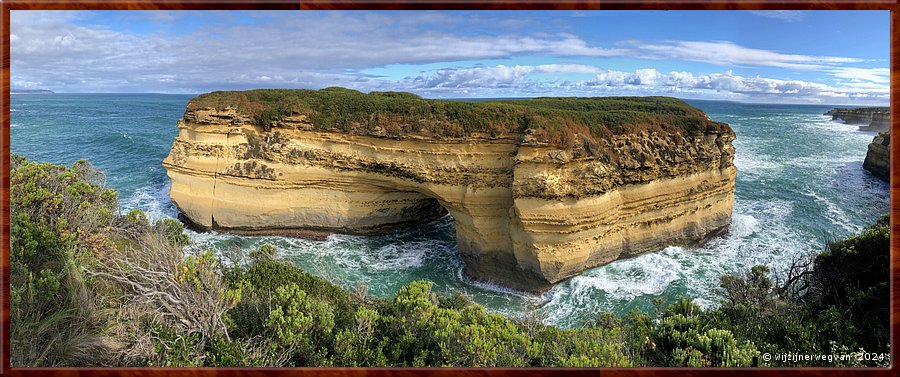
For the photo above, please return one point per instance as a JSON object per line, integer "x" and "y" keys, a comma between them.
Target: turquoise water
{"x": 800, "y": 182}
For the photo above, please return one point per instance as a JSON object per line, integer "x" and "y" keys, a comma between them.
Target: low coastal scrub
{"x": 571, "y": 122}
{"x": 93, "y": 286}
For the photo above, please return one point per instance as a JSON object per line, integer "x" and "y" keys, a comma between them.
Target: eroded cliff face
{"x": 878, "y": 157}
{"x": 528, "y": 213}
{"x": 873, "y": 119}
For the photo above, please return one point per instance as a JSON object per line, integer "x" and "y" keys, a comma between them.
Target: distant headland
{"x": 31, "y": 91}
{"x": 874, "y": 119}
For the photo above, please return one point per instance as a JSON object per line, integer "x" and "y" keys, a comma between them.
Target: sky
{"x": 817, "y": 57}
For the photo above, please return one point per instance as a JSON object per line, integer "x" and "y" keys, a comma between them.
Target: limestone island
{"x": 873, "y": 119}
{"x": 539, "y": 189}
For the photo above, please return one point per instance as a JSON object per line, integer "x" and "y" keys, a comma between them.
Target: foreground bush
{"x": 57, "y": 214}
{"x": 835, "y": 302}
{"x": 93, "y": 286}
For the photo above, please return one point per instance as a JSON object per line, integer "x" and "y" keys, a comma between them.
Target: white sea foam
{"x": 748, "y": 163}
{"x": 743, "y": 225}
{"x": 646, "y": 274}
{"x": 758, "y": 235}
{"x": 829, "y": 163}
{"x": 494, "y": 287}
{"x": 833, "y": 212}
{"x": 754, "y": 157}
{"x": 395, "y": 257}
{"x": 153, "y": 200}
{"x": 602, "y": 288}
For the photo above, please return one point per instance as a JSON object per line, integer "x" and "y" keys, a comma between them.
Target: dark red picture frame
{"x": 7, "y": 5}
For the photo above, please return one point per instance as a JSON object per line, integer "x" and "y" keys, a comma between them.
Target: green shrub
{"x": 688, "y": 343}
{"x": 361, "y": 345}
{"x": 852, "y": 277}
{"x": 839, "y": 298}
{"x": 56, "y": 215}
{"x": 301, "y": 323}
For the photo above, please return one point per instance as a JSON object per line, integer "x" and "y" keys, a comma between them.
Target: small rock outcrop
{"x": 873, "y": 119}
{"x": 539, "y": 190}
{"x": 878, "y": 158}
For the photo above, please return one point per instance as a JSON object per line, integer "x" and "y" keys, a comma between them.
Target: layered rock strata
{"x": 873, "y": 119}
{"x": 528, "y": 213}
{"x": 878, "y": 157}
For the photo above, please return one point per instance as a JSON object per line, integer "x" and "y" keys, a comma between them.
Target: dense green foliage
{"x": 561, "y": 121}
{"x": 55, "y": 213}
{"x": 313, "y": 322}
{"x": 93, "y": 286}
{"x": 835, "y": 302}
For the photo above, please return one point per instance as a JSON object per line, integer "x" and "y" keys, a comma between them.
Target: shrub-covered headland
{"x": 556, "y": 120}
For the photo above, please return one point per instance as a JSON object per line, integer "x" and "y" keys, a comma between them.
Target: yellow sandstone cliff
{"x": 528, "y": 212}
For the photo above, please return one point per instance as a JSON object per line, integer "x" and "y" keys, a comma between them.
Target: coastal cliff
{"x": 878, "y": 157}
{"x": 539, "y": 190}
{"x": 874, "y": 119}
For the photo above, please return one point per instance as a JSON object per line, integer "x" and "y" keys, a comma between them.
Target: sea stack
{"x": 873, "y": 119}
{"x": 539, "y": 189}
{"x": 878, "y": 158}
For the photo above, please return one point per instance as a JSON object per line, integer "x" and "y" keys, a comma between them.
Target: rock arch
{"x": 527, "y": 216}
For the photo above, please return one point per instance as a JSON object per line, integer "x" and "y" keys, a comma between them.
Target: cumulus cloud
{"x": 502, "y": 80}
{"x": 647, "y": 76}
{"x": 493, "y": 77}
{"x": 751, "y": 88}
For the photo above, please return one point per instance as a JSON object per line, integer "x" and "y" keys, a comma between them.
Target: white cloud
{"x": 493, "y": 77}
{"x": 729, "y": 54}
{"x": 756, "y": 88}
{"x": 783, "y": 15}
{"x": 19, "y": 84}
{"x": 514, "y": 81}
{"x": 878, "y": 75}
{"x": 646, "y": 76}
{"x": 290, "y": 46}
{"x": 50, "y": 50}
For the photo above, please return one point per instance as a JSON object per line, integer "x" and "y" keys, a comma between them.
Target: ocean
{"x": 800, "y": 183}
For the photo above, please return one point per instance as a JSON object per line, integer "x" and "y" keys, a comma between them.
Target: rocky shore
{"x": 878, "y": 157}
{"x": 873, "y": 119}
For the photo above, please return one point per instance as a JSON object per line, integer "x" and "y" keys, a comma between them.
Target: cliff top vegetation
{"x": 556, "y": 120}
